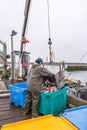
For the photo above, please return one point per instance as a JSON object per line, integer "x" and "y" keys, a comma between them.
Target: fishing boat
{"x": 9, "y": 113}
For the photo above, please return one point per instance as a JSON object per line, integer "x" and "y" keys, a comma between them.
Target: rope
{"x": 82, "y": 57}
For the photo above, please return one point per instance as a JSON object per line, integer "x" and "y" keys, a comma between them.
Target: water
{"x": 76, "y": 75}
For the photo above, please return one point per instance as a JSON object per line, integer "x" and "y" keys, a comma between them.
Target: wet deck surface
{"x": 10, "y": 113}
{"x": 2, "y": 86}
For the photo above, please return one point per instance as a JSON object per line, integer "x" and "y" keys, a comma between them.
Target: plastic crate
{"x": 18, "y": 93}
{"x": 41, "y": 123}
{"x": 77, "y": 116}
{"x": 52, "y": 103}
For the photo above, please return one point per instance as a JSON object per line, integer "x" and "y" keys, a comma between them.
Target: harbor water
{"x": 78, "y": 75}
{"x": 75, "y": 75}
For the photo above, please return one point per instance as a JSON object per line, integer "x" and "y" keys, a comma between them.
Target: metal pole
{"x": 50, "y": 52}
{"x": 4, "y": 58}
{"x": 12, "y": 65}
{"x": 12, "y": 57}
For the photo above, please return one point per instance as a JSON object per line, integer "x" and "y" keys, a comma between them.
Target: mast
{"x": 49, "y": 30}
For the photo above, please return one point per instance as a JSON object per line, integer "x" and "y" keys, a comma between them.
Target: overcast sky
{"x": 68, "y": 20}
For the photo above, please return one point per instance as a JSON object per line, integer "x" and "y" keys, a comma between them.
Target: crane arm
{"x": 23, "y": 39}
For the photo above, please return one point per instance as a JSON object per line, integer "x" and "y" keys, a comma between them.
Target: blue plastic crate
{"x": 18, "y": 93}
{"x": 77, "y": 116}
{"x": 52, "y": 103}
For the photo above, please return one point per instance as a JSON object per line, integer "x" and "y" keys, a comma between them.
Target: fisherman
{"x": 34, "y": 82}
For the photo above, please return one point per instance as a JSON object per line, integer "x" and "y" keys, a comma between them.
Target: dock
{"x": 10, "y": 113}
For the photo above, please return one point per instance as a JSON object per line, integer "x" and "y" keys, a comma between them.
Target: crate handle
{"x": 47, "y": 96}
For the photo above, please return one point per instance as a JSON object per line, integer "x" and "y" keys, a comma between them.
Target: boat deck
{"x": 10, "y": 113}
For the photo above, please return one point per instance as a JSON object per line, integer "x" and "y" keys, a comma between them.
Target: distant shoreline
{"x": 73, "y": 68}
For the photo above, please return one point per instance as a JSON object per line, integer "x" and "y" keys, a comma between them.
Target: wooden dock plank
{"x": 13, "y": 120}
{"x": 9, "y": 113}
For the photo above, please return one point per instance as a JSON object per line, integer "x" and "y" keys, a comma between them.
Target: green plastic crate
{"x": 52, "y": 103}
